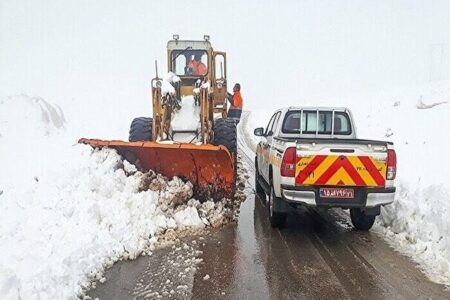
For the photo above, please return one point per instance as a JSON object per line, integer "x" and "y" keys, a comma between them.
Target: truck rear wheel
{"x": 141, "y": 129}
{"x": 361, "y": 220}
{"x": 225, "y": 134}
{"x": 277, "y": 219}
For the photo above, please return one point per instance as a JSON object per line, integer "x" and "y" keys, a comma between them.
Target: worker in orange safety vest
{"x": 236, "y": 102}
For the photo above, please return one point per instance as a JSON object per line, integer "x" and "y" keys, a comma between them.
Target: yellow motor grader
{"x": 189, "y": 135}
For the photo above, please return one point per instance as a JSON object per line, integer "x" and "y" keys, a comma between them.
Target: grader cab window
{"x": 220, "y": 66}
{"x": 179, "y": 65}
{"x": 190, "y": 63}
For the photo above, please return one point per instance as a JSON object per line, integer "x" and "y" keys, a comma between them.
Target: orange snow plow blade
{"x": 211, "y": 169}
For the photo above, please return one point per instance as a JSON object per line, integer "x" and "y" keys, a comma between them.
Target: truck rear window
{"x": 291, "y": 123}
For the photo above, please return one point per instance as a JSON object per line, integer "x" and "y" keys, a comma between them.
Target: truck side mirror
{"x": 259, "y": 131}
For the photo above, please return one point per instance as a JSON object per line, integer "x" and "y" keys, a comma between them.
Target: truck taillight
{"x": 288, "y": 163}
{"x": 391, "y": 164}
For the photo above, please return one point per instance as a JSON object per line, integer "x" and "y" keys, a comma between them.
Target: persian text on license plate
{"x": 337, "y": 193}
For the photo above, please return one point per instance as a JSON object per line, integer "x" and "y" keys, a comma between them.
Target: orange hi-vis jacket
{"x": 198, "y": 67}
{"x": 237, "y": 100}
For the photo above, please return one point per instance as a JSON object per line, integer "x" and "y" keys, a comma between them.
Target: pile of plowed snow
{"x": 67, "y": 211}
{"x": 417, "y": 120}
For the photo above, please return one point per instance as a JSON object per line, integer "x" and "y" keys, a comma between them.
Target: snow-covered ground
{"x": 417, "y": 120}
{"x": 67, "y": 211}
{"x": 186, "y": 119}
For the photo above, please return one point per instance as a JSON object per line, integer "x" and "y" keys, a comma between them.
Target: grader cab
{"x": 184, "y": 58}
{"x": 189, "y": 135}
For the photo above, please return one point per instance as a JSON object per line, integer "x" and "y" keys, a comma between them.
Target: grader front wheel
{"x": 225, "y": 133}
{"x": 141, "y": 129}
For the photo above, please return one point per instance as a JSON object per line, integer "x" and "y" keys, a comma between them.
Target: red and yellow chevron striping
{"x": 340, "y": 170}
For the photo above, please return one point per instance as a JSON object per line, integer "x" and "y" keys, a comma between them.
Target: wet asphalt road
{"x": 317, "y": 256}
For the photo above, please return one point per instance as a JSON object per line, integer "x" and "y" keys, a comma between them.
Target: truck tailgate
{"x": 343, "y": 169}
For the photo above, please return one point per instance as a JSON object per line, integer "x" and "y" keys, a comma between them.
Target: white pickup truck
{"x": 311, "y": 156}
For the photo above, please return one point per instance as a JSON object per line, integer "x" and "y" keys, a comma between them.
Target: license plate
{"x": 337, "y": 193}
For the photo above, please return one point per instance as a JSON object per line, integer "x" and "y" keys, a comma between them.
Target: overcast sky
{"x": 99, "y": 55}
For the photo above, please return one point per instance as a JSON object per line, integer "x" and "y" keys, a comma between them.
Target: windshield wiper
{"x": 188, "y": 48}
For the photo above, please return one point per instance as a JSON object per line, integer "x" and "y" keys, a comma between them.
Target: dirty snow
{"x": 171, "y": 272}
{"x": 417, "y": 120}
{"x": 67, "y": 212}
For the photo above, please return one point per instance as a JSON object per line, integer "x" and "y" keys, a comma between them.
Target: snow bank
{"x": 419, "y": 134}
{"x": 67, "y": 212}
{"x": 27, "y": 126}
{"x": 29, "y": 116}
{"x": 418, "y": 224}
{"x": 417, "y": 120}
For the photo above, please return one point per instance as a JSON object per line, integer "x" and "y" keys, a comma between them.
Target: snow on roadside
{"x": 418, "y": 224}
{"x": 417, "y": 120}
{"x": 67, "y": 211}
